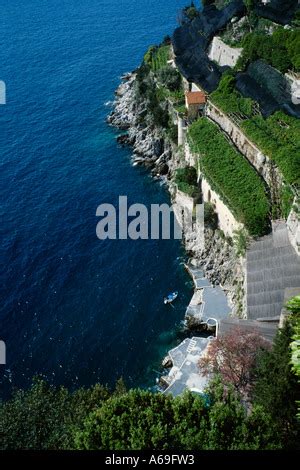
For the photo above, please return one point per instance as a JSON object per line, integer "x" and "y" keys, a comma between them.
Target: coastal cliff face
{"x": 153, "y": 148}
{"x": 150, "y": 147}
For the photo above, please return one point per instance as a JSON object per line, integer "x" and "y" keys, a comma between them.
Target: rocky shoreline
{"x": 150, "y": 148}
{"x": 153, "y": 149}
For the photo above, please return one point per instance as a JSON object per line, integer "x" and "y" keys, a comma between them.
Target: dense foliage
{"x": 170, "y": 78}
{"x": 232, "y": 356}
{"x": 157, "y": 57}
{"x": 281, "y": 49}
{"x": 147, "y": 92}
{"x": 210, "y": 216}
{"x": 186, "y": 180}
{"x": 45, "y": 417}
{"x": 277, "y": 388}
{"x": 294, "y": 306}
{"x": 231, "y": 176}
{"x": 278, "y": 137}
{"x": 143, "y": 420}
{"x": 229, "y": 99}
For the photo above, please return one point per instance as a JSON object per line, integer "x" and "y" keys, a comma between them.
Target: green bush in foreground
{"x": 143, "y": 420}
{"x": 47, "y": 417}
{"x": 277, "y": 387}
{"x": 231, "y": 176}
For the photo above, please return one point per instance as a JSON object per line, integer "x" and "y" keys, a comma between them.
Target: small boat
{"x": 170, "y": 298}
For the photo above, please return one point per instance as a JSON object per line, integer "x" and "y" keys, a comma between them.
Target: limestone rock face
{"x": 150, "y": 148}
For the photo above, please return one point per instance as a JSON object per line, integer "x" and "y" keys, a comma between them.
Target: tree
{"x": 170, "y": 78}
{"x": 144, "y": 420}
{"x": 294, "y": 306}
{"x": 43, "y": 417}
{"x": 233, "y": 356}
{"x": 276, "y": 386}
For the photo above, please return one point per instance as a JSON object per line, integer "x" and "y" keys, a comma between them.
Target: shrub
{"x": 277, "y": 389}
{"x": 281, "y": 49}
{"x": 186, "y": 180}
{"x": 170, "y": 78}
{"x": 229, "y": 99}
{"x": 232, "y": 356}
{"x": 231, "y": 176}
{"x": 240, "y": 240}
{"x": 210, "y": 216}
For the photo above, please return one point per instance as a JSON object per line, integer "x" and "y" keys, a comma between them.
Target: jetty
{"x": 184, "y": 373}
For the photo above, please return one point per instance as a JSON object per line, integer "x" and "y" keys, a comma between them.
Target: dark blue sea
{"x": 75, "y": 309}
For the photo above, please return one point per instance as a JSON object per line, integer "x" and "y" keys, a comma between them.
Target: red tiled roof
{"x": 196, "y": 97}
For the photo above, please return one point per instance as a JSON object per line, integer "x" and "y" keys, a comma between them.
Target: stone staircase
{"x": 272, "y": 266}
{"x": 191, "y": 346}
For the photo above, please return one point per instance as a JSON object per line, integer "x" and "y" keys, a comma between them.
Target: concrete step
{"x": 265, "y": 298}
{"x": 270, "y": 274}
{"x": 262, "y": 244}
{"x": 270, "y": 253}
{"x": 274, "y": 284}
{"x": 286, "y": 259}
{"x": 261, "y": 311}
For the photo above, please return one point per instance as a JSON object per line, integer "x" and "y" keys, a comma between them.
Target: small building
{"x": 195, "y": 102}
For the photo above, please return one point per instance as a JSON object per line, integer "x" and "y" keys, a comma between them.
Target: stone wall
{"x": 227, "y": 222}
{"x": 294, "y": 82}
{"x": 261, "y": 162}
{"x": 193, "y": 227}
{"x": 293, "y": 226}
{"x": 222, "y": 53}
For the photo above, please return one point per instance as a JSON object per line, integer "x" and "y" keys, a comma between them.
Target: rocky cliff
{"x": 153, "y": 148}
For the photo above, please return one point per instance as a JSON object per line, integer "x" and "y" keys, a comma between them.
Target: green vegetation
{"x": 186, "y": 180}
{"x": 294, "y": 306}
{"x": 281, "y": 49}
{"x": 48, "y": 417}
{"x": 157, "y": 57}
{"x": 132, "y": 420}
{"x": 143, "y": 420}
{"x": 210, "y": 216}
{"x": 277, "y": 388}
{"x": 287, "y": 199}
{"x": 229, "y": 99}
{"x": 158, "y": 84}
{"x": 231, "y": 176}
{"x": 278, "y": 137}
{"x": 44, "y": 416}
{"x": 147, "y": 91}
{"x": 188, "y": 14}
{"x": 170, "y": 78}
{"x": 240, "y": 241}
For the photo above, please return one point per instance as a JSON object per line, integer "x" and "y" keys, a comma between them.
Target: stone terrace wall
{"x": 222, "y": 53}
{"x": 257, "y": 159}
{"x": 227, "y": 222}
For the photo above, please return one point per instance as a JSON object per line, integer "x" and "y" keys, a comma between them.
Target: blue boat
{"x": 170, "y": 298}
